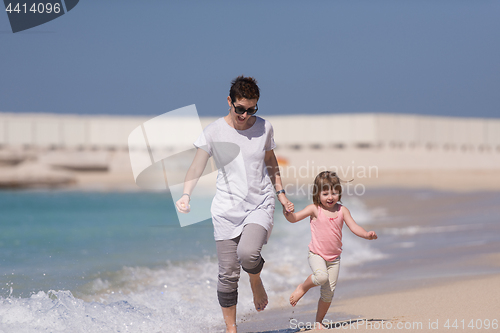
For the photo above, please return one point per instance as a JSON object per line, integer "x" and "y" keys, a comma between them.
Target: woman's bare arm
{"x": 193, "y": 174}
{"x": 274, "y": 173}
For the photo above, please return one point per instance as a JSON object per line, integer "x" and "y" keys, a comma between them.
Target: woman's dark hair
{"x": 244, "y": 87}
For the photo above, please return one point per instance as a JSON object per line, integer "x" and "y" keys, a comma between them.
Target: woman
{"x": 248, "y": 179}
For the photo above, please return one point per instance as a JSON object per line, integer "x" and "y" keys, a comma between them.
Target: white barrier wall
{"x": 342, "y": 131}
{"x": 325, "y": 130}
{"x": 356, "y": 130}
{"x": 111, "y": 132}
{"x": 458, "y": 136}
{"x": 398, "y": 131}
{"x": 19, "y": 132}
{"x": 493, "y": 132}
{"x": 74, "y": 133}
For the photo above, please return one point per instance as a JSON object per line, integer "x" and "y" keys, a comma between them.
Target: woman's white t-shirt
{"x": 245, "y": 193}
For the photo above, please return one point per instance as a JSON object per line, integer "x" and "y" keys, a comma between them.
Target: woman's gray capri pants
{"x": 242, "y": 251}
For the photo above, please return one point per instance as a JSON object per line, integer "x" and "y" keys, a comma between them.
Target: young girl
{"x": 327, "y": 217}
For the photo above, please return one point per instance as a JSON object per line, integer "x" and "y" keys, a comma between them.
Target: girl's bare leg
{"x": 322, "y": 310}
{"x": 259, "y": 293}
{"x": 301, "y": 290}
{"x": 230, "y": 318}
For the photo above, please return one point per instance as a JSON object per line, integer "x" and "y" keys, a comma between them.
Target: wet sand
{"x": 456, "y": 305}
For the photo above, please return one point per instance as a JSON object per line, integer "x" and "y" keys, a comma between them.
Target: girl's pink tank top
{"x": 326, "y": 235}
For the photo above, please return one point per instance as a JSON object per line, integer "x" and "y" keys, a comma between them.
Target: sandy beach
{"x": 456, "y": 305}
{"x": 376, "y": 168}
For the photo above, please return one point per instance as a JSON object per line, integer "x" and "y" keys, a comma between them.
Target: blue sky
{"x": 149, "y": 57}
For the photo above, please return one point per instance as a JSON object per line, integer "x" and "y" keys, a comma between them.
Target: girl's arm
{"x": 274, "y": 173}
{"x": 355, "y": 228}
{"x": 193, "y": 174}
{"x": 310, "y": 210}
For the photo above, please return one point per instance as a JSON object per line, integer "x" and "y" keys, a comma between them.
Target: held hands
{"x": 288, "y": 206}
{"x": 371, "y": 235}
{"x": 182, "y": 204}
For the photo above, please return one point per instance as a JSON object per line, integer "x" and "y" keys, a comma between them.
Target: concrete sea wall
{"x": 300, "y": 131}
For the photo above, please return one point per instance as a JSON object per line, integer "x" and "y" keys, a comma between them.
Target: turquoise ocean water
{"x": 62, "y": 239}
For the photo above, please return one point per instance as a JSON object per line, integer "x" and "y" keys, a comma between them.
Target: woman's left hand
{"x": 287, "y": 204}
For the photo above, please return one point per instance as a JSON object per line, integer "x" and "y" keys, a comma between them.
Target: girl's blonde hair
{"x": 324, "y": 181}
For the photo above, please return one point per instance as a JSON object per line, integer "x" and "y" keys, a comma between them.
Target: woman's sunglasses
{"x": 240, "y": 110}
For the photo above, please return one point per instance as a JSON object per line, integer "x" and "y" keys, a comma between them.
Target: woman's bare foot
{"x": 259, "y": 293}
{"x": 229, "y": 315}
{"x": 297, "y": 294}
{"x": 231, "y": 330}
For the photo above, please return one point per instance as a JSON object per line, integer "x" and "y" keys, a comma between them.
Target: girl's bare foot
{"x": 297, "y": 294}
{"x": 259, "y": 293}
{"x": 319, "y": 326}
{"x": 301, "y": 290}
